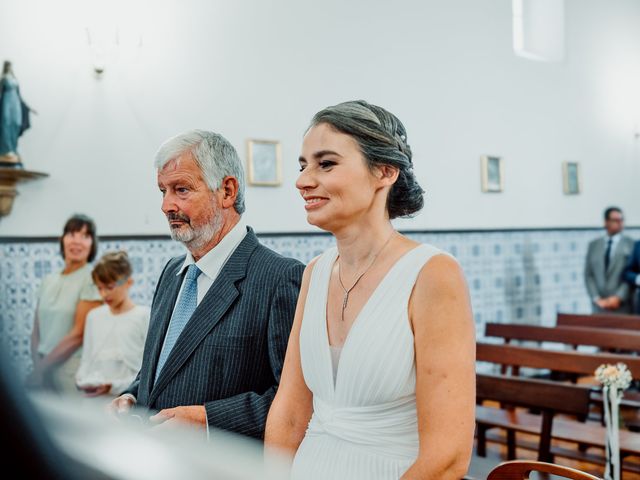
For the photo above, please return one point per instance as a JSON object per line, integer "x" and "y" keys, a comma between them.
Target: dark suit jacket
{"x": 631, "y": 271}
{"x": 229, "y": 356}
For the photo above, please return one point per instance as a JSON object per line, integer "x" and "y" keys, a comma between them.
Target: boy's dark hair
{"x": 112, "y": 267}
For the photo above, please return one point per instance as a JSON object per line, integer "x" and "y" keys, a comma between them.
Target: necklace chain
{"x": 346, "y": 291}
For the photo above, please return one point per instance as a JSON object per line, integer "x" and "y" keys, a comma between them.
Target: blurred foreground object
{"x": 132, "y": 449}
{"x": 28, "y": 448}
{"x": 63, "y": 438}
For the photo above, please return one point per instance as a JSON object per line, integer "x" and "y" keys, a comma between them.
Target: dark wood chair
{"x": 520, "y": 470}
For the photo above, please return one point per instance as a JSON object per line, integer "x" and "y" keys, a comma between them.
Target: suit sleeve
{"x": 632, "y": 269}
{"x": 622, "y": 291}
{"x": 589, "y": 279}
{"x": 133, "y": 388}
{"x": 624, "y": 288}
{"x": 246, "y": 413}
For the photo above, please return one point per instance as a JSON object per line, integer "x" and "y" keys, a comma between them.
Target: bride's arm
{"x": 444, "y": 333}
{"x": 292, "y": 406}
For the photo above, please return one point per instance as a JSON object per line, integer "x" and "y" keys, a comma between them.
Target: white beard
{"x": 195, "y": 238}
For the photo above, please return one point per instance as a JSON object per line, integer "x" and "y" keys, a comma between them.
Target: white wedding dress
{"x": 365, "y": 425}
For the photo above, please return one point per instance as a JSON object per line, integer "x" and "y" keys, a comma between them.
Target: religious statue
{"x": 14, "y": 117}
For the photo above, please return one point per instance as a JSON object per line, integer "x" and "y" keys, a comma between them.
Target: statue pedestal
{"x": 9, "y": 178}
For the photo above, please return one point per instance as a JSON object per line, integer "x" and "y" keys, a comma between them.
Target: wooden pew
{"x": 575, "y": 336}
{"x": 562, "y": 361}
{"x": 551, "y": 398}
{"x": 609, "y": 321}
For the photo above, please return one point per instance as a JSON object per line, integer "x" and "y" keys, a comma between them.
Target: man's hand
{"x": 121, "y": 405}
{"x": 96, "y": 390}
{"x": 602, "y": 303}
{"x": 194, "y": 415}
{"x": 613, "y": 302}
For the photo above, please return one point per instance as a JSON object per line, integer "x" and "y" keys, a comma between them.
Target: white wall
{"x": 258, "y": 69}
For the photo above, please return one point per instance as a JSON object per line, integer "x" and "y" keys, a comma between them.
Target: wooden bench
{"x": 550, "y": 398}
{"x": 575, "y": 336}
{"x": 608, "y": 321}
{"x": 562, "y": 361}
{"x": 512, "y": 357}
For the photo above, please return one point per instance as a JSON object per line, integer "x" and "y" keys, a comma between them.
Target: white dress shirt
{"x": 213, "y": 261}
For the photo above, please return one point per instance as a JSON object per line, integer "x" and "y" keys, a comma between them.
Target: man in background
{"x": 607, "y": 257}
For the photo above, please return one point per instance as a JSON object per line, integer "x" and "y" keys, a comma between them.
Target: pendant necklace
{"x": 346, "y": 291}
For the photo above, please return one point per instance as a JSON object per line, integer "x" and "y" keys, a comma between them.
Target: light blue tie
{"x": 184, "y": 309}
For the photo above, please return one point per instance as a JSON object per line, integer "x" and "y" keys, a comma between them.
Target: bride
{"x": 379, "y": 376}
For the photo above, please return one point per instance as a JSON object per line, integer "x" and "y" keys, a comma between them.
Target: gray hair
{"x": 213, "y": 153}
{"x": 382, "y": 139}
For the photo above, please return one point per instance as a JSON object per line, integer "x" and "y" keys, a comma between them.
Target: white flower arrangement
{"x": 614, "y": 379}
{"x": 615, "y": 376}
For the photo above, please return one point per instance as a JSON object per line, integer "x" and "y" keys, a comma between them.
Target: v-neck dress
{"x": 364, "y": 426}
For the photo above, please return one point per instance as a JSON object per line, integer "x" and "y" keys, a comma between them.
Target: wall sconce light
{"x": 102, "y": 44}
{"x": 106, "y": 45}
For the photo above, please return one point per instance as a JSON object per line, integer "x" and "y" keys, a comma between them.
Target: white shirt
{"x": 112, "y": 347}
{"x": 211, "y": 264}
{"x": 58, "y": 299}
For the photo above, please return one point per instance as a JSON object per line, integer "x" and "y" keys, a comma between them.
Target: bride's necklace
{"x": 346, "y": 291}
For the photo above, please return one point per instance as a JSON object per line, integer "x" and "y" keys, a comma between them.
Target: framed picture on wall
{"x": 264, "y": 162}
{"x": 492, "y": 174}
{"x": 571, "y": 179}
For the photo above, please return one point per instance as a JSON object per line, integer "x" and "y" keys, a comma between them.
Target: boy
{"x": 115, "y": 333}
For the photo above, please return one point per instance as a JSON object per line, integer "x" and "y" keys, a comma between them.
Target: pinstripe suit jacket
{"x": 229, "y": 356}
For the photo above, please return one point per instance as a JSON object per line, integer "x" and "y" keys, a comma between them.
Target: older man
{"x": 221, "y": 315}
{"x": 606, "y": 259}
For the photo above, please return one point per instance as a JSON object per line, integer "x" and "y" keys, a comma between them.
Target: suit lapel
{"x": 599, "y": 254}
{"x": 167, "y": 299}
{"x": 617, "y": 253}
{"x": 208, "y": 314}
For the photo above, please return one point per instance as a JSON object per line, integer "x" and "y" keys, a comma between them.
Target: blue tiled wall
{"x": 519, "y": 276}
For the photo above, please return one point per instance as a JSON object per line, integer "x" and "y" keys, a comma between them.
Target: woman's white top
{"x": 58, "y": 299}
{"x": 364, "y": 425}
